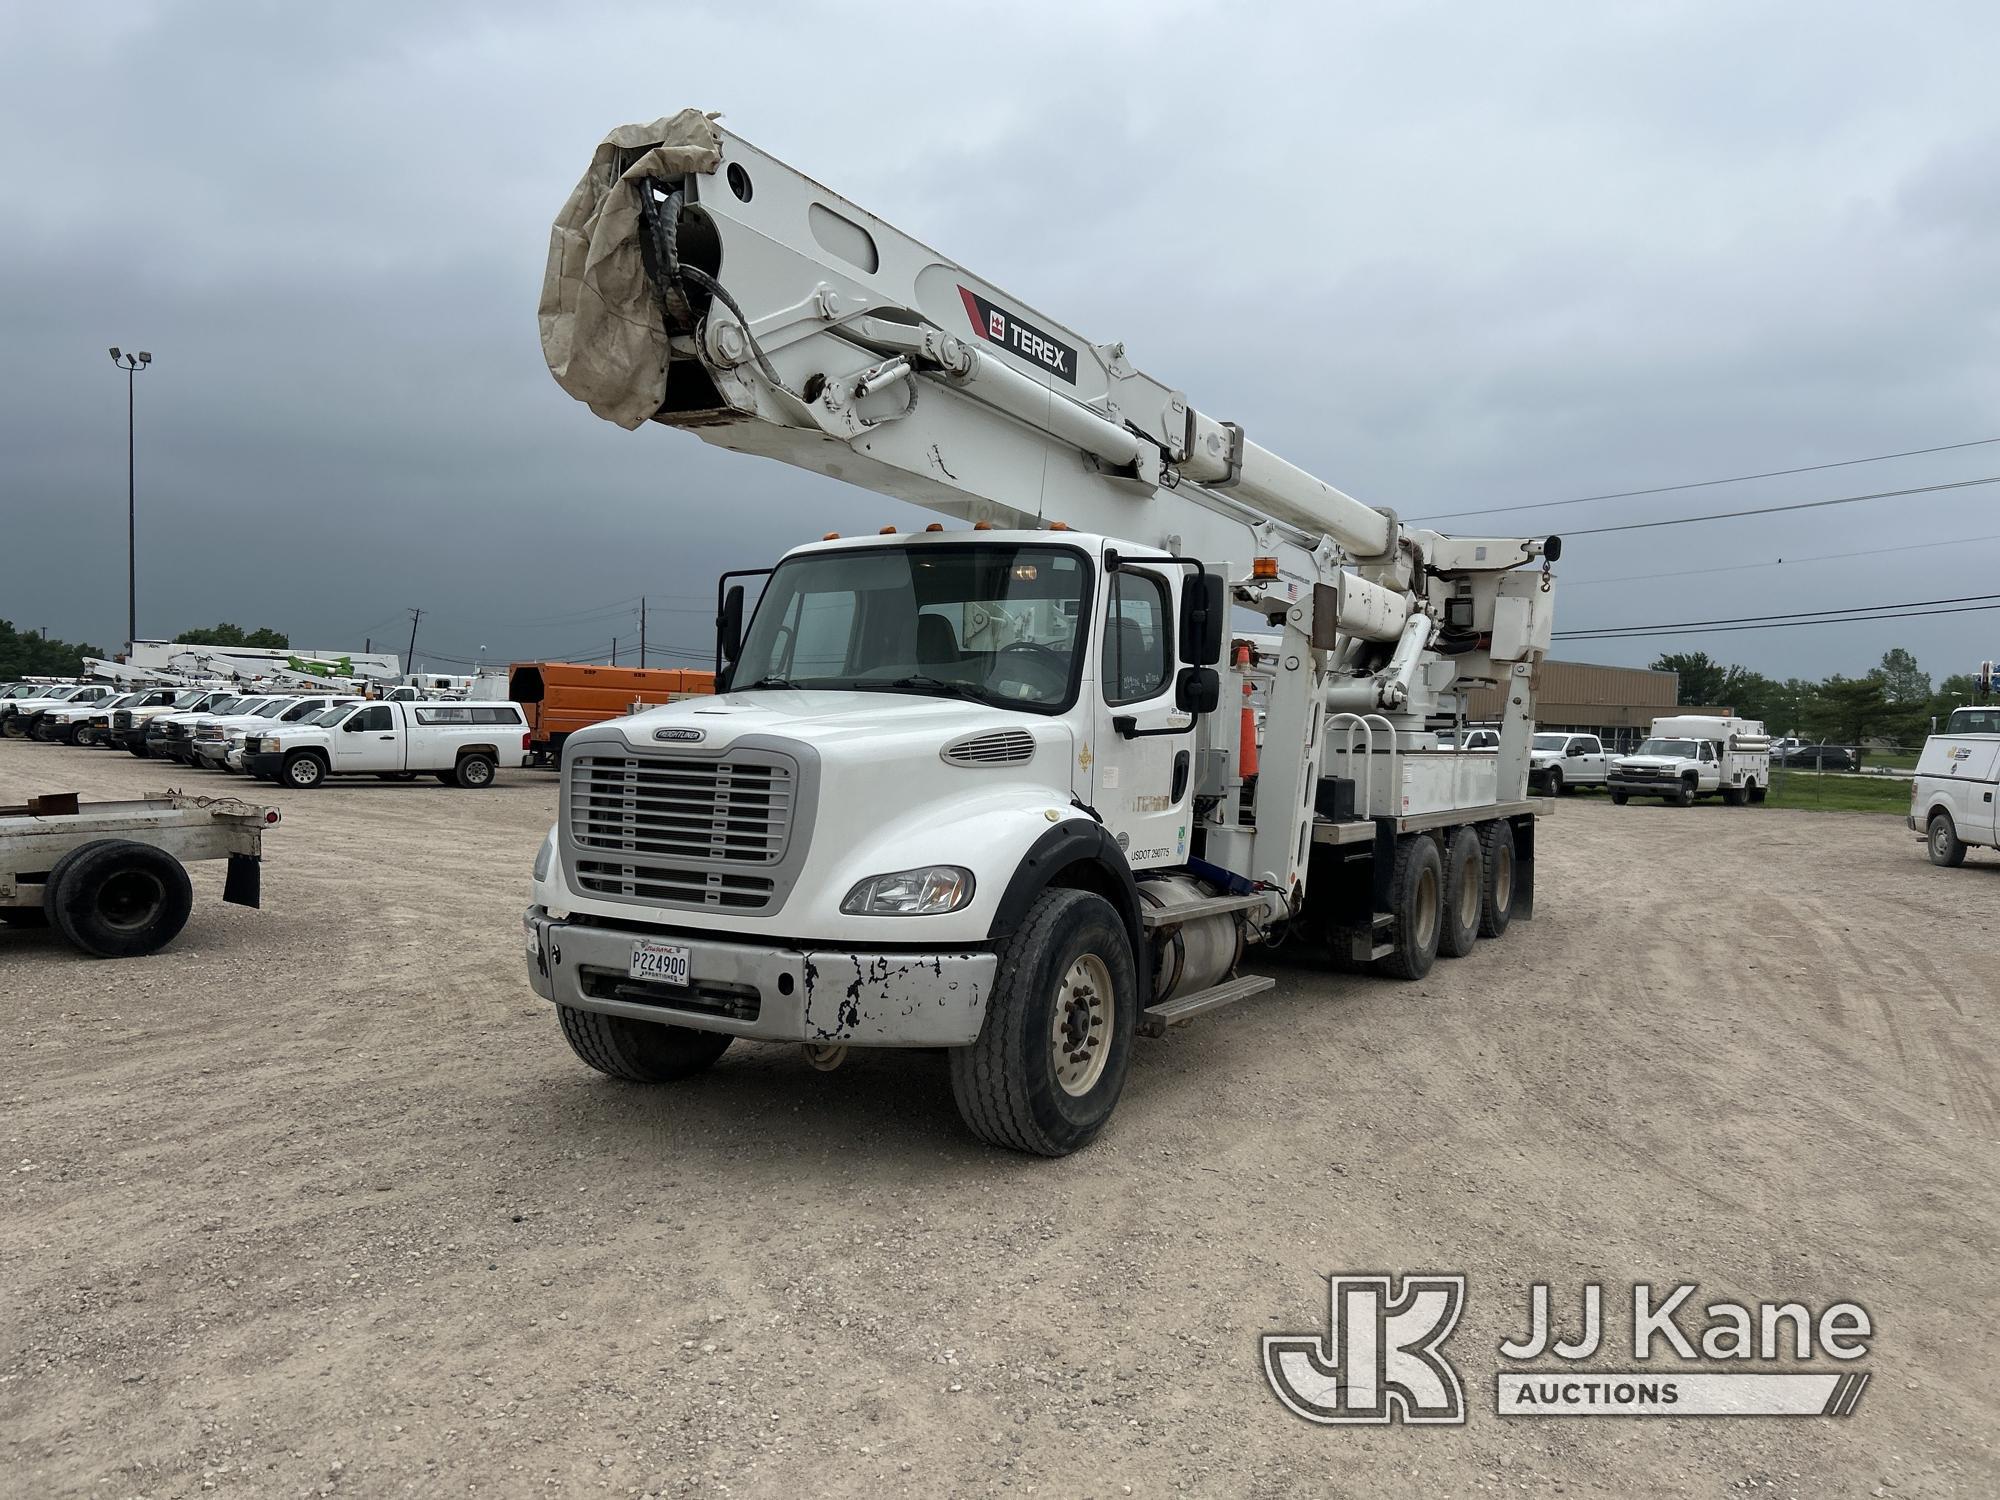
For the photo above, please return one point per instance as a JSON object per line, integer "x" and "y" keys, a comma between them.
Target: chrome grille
{"x": 681, "y": 830}
{"x": 997, "y": 747}
{"x": 122, "y": 719}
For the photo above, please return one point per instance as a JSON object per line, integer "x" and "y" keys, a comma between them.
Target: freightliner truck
{"x": 982, "y": 784}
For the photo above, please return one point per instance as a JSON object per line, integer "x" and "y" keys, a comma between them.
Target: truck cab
{"x": 462, "y": 744}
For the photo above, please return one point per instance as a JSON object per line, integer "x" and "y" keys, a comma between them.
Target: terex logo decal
{"x": 998, "y": 326}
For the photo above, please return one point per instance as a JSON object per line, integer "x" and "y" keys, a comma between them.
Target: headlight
{"x": 911, "y": 893}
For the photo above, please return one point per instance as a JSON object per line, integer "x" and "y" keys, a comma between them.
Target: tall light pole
{"x": 131, "y": 364}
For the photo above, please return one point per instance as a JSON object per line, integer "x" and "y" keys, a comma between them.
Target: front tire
{"x": 1685, "y": 796}
{"x": 1553, "y": 782}
{"x": 303, "y": 770}
{"x": 1050, "y": 1061}
{"x": 1942, "y": 840}
{"x": 1619, "y": 799}
{"x": 1463, "y": 893}
{"x": 639, "y": 1051}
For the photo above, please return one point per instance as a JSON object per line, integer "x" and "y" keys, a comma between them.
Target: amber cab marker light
{"x": 831, "y": 536}
{"x": 886, "y": 531}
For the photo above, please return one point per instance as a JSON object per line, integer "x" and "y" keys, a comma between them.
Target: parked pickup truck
{"x": 462, "y": 744}
{"x": 218, "y": 742}
{"x": 69, "y": 723}
{"x": 19, "y": 717}
{"x": 128, "y": 725}
{"x": 1558, "y": 761}
{"x": 1697, "y": 755}
{"x": 1953, "y": 795}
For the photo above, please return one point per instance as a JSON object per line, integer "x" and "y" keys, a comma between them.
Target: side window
{"x": 372, "y": 719}
{"x": 1137, "y": 638}
{"x": 1588, "y": 745}
{"x": 1707, "y": 751}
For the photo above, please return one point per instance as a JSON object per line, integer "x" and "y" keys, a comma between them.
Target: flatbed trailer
{"x": 110, "y": 877}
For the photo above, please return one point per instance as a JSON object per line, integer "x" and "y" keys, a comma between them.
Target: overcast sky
{"x": 1444, "y": 256}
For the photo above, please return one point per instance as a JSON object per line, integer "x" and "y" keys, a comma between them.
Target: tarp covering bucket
{"x": 603, "y": 333}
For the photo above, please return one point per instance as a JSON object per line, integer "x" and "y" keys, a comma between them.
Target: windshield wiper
{"x": 773, "y": 683}
{"x": 922, "y": 684}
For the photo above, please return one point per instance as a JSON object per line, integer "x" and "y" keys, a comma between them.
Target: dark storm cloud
{"x": 1444, "y": 256}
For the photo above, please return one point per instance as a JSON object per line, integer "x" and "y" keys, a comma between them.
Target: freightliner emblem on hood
{"x": 680, "y": 734}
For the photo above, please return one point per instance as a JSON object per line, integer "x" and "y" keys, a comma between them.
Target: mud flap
{"x": 1524, "y": 869}
{"x": 244, "y": 884}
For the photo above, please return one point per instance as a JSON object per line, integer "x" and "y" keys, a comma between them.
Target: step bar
{"x": 1155, "y": 1019}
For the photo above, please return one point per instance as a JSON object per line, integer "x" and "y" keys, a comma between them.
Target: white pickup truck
{"x": 1697, "y": 755}
{"x": 1558, "y": 761}
{"x": 462, "y": 744}
{"x": 1955, "y": 794}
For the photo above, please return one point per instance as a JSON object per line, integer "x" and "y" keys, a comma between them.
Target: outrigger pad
{"x": 244, "y": 884}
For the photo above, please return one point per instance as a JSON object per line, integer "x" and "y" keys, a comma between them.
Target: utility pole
{"x": 410, "y": 661}
{"x": 131, "y": 364}
{"x": 642, "y": 632}
{"x": 614, "y": 651}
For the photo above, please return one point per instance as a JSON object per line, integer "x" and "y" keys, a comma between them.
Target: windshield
{"x": 1667, "y": 747}
{"x": 1973, "y": 721}
{"x": 224, "y": 706}
{"x": 275, "y": 707}
{"x": 1551, "y": 741}
{"x": 298, "y": 712}
{"x": 189, "y": 699}
{"x": 331, "y": 715}
{"x": 995, "y": 623}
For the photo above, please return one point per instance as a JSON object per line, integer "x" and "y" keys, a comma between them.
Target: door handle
{"x": 1127, "y": 726}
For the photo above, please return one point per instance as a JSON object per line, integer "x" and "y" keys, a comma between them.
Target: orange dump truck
{"x": 561, "y": 697}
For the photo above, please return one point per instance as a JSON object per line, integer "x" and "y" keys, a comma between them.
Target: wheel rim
{"x": 1503, "y": 879}
{"x": 1468, "y": 898}
{"x": 302, "y": 773}
{"x": 1940, "y": 839}
{"x": 1555, "y": 783}
{"x": 1080, "y": 1032}
{"x": 1427, "y": 908}
{"x": 478, "y": 772}
{"x": 130, "y": 899}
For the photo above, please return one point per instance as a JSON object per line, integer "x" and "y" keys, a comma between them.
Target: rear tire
{"x": 474, "y": 772}
{"x": 1416, "y": 896}
{"x": 1050, "y": 1060}
{"x": 1464, "y": 895}
{"x": 1496, "y": 884}
{"x": 114, "y": 898}
{"x": 1732, "y": 796}
{"x": 1754, "y": 793}
{"x": 1942, "y": 840}
{"x": 639, "y": 1051}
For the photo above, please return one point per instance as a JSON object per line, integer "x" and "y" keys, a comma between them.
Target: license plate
{"x": 665, "y": 963}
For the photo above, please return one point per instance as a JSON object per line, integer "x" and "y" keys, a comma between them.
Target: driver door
{"x": 368, "y": 740}
{"x": 1143, "y": 769}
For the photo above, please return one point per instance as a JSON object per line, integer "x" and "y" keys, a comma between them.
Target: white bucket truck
{"x": 1688, "y": 756}
{"x": 988, "y": 788}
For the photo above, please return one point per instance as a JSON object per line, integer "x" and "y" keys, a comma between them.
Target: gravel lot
{"x": 317, "y": 1202}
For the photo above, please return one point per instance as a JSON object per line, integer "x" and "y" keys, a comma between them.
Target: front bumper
{"x": 769, "y": 993}
{"x": 263, "y": 763}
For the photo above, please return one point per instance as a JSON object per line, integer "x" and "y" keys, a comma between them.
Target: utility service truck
{"x": 1955, "y": 794}
{"x": 1688, "y": 756}
{"x": 984, "y": 785}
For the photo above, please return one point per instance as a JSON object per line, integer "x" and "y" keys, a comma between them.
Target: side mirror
{"x": 1204, "y": 612}
{"x": 729, "y": 627}
{"x": 1198, "y": 690}
{"x": 352, "y": 726}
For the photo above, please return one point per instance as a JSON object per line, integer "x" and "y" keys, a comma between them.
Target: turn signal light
{"x": 1264, "y": 568}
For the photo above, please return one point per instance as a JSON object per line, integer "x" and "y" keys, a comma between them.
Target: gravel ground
{"x": 317, "y": 1201}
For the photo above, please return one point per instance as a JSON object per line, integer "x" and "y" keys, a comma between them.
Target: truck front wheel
{"x": 303, "y": 769}
{"x": 1050, "y": 1060}
{"x": 1685, "y": 796}
{"x": 1946, "y": 848}
{"x": 1619, "y": 799}
{"x": 639, "y": 1051}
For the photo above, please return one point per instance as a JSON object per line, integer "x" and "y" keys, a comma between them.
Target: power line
{"x": 1786, "y": 562}
{"x": 1911, "y": 614}
{"x": 1771, "y": 510}
{"x": 1841, "y": 615}
{"x": 1702, "y": 484}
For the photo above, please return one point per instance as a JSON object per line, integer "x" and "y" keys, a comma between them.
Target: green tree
{"x": 1707, "y": 683}
{"x": 227, "y": 634}
{"x": 1904, "y": 683}
{"x": 25, "y": 654}
{"x": 1848, "y": 710}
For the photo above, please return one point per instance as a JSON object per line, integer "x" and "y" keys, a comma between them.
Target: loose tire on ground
{"x": 1496, "y": 906}
{"x": 302, "y": 769}
{"x": 1416, "y": 897}
{"x": 1942, "y": 841}
{"x": 474, "y": 771}
{"x": 1464, "y": 894}
{"x": 1050, "y": 1060}
{"x": 639, "y": 1051}
{"x": 114, "y": 898}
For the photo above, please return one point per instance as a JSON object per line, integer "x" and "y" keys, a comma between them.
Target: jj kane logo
{"x": 1381, "y": 1358}
{"x": 1016, "y": 335}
